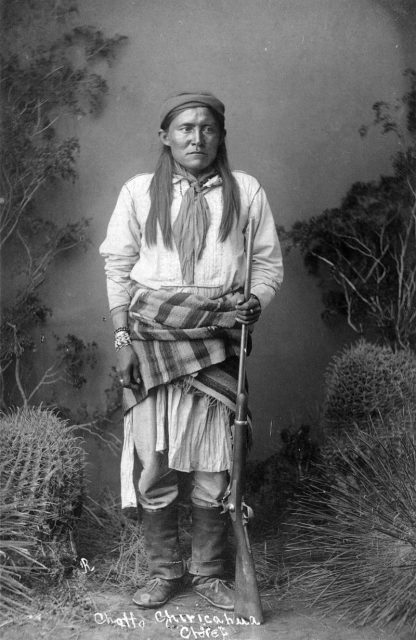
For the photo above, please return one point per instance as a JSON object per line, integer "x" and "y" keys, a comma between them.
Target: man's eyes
{"x": 207, "y": 130}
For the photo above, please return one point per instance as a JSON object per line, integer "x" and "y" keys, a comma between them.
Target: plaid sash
{"x": 182, "y": 334}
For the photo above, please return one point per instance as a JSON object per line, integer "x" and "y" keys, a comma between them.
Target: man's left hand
{"x": 248, "y": 312}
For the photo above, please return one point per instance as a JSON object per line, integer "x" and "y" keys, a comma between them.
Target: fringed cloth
{"x": 187, "y": 348}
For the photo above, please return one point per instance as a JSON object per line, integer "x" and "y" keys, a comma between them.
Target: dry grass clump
{"x": 128, "y": 567}
{"x": 41, "y": 471}
{"x": 354, "y": 532}
{"x": 16, "y": 558}
{"x": 112, "y": 542}
{"x": 366, "y": 382}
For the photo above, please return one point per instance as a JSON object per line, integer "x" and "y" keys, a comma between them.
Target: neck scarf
{"x": 191, "y": 226}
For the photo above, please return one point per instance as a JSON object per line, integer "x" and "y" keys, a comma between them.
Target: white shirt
{"x": 129, "y": 260}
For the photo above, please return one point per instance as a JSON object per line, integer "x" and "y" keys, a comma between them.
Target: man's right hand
{"x": 128, "y": 368}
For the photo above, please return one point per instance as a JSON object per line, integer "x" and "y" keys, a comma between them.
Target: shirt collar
{"x": 212, "y": 182}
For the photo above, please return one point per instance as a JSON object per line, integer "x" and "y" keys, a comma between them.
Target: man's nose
{"x": 197, "y": 137}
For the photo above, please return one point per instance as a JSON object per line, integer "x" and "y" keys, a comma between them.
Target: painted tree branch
{"x": 396, "y": 316}
{"x": 364, "y": 251}
{"x": 44, "y": 81}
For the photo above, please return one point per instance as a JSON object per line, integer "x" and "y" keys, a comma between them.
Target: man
{"x": 175, "y": 263}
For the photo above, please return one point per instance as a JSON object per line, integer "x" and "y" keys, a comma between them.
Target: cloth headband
{"x": 192, "y": 100}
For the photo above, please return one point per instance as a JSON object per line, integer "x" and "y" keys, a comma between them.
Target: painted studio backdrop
{"x": 298, "y": 78}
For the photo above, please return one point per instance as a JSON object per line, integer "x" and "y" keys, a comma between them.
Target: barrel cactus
{"x": 366, "y": 383}
{"x": 41, "y": 480}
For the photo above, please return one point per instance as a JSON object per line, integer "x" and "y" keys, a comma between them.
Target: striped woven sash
{"x": 183, "y": 334}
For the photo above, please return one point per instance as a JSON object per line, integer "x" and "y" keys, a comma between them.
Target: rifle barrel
{"x": 247, "y": 599}
{"x": 247, "y": 291}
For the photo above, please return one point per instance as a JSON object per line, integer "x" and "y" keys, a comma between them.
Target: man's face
{"x": 193, "y": 137}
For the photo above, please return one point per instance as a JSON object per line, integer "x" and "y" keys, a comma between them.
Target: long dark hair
{"x": 161, "y": 190}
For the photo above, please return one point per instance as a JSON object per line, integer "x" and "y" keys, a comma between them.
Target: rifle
{"x": 247, "y": 598}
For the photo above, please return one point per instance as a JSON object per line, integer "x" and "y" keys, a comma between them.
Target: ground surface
{"x": 112, "y": 616}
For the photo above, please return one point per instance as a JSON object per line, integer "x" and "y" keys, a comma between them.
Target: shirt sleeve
{"x": 121, "y": 250}
{"x": 267, "y": 270}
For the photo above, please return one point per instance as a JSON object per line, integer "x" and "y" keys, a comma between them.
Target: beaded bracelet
{"x": 119, "y": 329}
{"x": 122, "y": 339}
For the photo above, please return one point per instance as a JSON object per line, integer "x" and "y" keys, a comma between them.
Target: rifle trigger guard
{"x": 247, "y": 512}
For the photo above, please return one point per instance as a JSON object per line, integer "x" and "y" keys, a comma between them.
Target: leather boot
{"x": 166, "y": 566}
{"x": 209, "y": 553}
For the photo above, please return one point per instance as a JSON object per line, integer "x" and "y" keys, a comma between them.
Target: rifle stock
{"x": 247, "y": 598}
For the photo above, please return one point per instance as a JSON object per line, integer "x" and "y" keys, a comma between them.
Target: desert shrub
{"x": 365, "y": 383}
{"x": 353, "y": 542}
{"x": 41, "y": 473}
